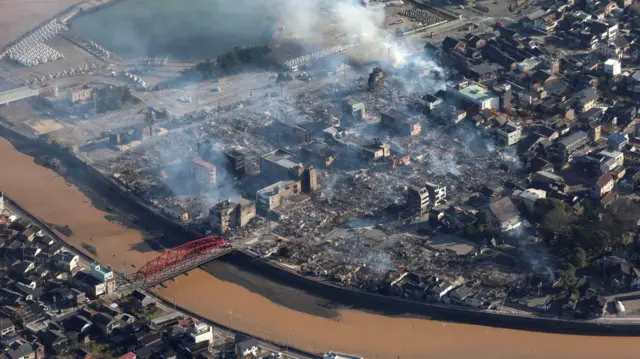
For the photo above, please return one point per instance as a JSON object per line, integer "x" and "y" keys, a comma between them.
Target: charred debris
{"x": 419, "y": 180}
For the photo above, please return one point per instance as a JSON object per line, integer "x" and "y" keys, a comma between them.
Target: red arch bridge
{"x": 176, "y": 261}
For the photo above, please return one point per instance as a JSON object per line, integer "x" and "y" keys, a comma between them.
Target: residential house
{"x": 529, "y": 197}
{"x": 77, "y": 324}
{"x": 614, "y": 159}
{"x": 64, "y": 297}
{"x": 484, "y": 72}
{"x": 602, "y": 185}
{"x": 617, "y": 141}
{"x": 633, "y": 82}
{"x": 459, "y": 294}
{"x": 438, "y": 289}
{"x": 431, "y": 102}
{"x": 94, "y": 287}
{"x": 6, "y": 327}
{"x": 22, "y": 351}
{"x": 609, "y": 50}
{"x": 610, "y": 6}
{"x": 66, "y": 261}
{"x": 54, "y": 341}
{"x": 319, "y": 154}
{"x": 246, "y": 346}
{"x": 563, "y": 149}
{"x": 540, "y": 20}
{"x": 140, "y": 300}
{"x": 603, "y": 30}
{"x": 106, "y": 323}
{"x": 586, "y": 99}
{"x": 203, "y": 172}
{"x": 635, "y": 52}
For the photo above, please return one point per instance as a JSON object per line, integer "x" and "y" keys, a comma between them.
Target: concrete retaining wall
{"x": 397, "y": 306}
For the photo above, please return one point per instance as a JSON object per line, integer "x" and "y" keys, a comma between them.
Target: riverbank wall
{"x": 397, "y": 306}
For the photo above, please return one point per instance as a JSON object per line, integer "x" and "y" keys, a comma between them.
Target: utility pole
{"x": 197, "y": 95}
{"x": 344, "y": 71}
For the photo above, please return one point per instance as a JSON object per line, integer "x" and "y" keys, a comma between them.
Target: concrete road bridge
{"x": 17, "y": 94}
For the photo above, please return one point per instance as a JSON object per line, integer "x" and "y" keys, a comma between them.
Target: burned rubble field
{"x": 317, "y": 228}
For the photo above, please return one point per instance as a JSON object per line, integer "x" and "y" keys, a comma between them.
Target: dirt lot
{"x": 20, "y": 16}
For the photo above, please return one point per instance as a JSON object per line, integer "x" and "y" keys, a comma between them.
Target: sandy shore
{"x": 49, "y": 197}
{"x": 20, "y": 16}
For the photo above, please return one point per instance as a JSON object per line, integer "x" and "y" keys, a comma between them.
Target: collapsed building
{"x": 229, "y": 214}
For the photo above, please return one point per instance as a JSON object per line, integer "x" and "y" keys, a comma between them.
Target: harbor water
{"x": 195, "y": 29}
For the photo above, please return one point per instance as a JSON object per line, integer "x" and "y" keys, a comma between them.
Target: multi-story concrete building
{"x": 270, "y": 197}
{"x": 510, "y": 133}
{"x": 475, "y": 94}
{"x": 608, "y": 50}
{"x": 352, "y": 111}
{"x": 236, "y": 162}
{"x": 400, "y": 122}
{"x": 418, "y": 199}
{"x": 79, "y": 95}
{"x": 280, "y": 165}
{"x": 203, "y": 172}
{"x": 229, "y": 214}
{"x": 437, "y": 193}
{"x": 612, "y": 67}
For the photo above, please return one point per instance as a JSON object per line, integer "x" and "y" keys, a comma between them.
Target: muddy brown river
{"x": 251, "y": 303}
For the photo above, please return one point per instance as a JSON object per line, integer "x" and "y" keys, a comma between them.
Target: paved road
{"x": 18, "y": 94}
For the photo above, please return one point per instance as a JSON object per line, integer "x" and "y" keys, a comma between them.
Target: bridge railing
{"x": 181, "y": 259}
